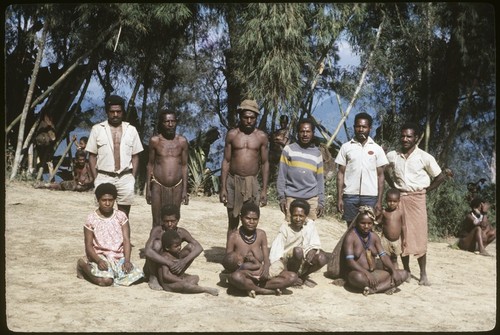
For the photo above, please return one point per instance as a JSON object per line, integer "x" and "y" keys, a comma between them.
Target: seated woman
{"x": 476, "y": 231}
{"x": 360, "y": 247}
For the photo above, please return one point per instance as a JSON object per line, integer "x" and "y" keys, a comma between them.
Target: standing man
{"x": 360, "y": 176}
{"x": 279, "y": 139}
{"x": 300, "y": 174}
{"x": 410, "y": 171}
{"x": 114, "y": 146}
{"x": 167, "y": 170}
{"x": 245, "y": 153}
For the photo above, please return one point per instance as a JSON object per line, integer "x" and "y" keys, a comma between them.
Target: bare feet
{"x": 339, "y": 282}
{"x": 153, "y": 283}
{"x": 251, "y": 294}
{"x": 278, "y": 292}
{"x": 213, "y": 291}
{"x": 409, "y": 277}
{"x": 367, "y": 291}
{"x": 424, "y": 281}
{"x": 484, "y": 253}
{"x": 309, "y": 282}
{"x": 392, "y": 290}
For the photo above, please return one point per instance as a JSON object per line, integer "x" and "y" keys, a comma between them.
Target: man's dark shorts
{"x": 352, "y": 203}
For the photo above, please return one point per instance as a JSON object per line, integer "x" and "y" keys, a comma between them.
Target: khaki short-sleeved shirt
{"x": 101, "y": 143}
{"x": 361, "y": 163}
{"x": 413, "y": 173}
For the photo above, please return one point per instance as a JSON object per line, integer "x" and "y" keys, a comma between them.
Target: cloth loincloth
{"x": 169, "y": 195}
{"x": 241, "y": 190}
{"x": 391, "y": 247}
{"x": 415, "y": 218}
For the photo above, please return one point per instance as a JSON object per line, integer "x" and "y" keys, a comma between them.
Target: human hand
{"x": 372, "y": 280}
{"x": 102, "y": 265}
{"x": 283, "y": 206}
{"x": 127, "y": 266}
{"x": 148, "y": 196}
{"x": 319, "y": 211}
{"x": 340, "y": 206}
{"x": 377, "y": 209}
{"x": 185, "y": 198}
{"x": 263, "y": 198}
{"x": 178, "y": 266}
{"x": 223, "y": 196}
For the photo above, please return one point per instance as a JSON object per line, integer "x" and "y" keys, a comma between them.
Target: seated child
{"x": 297, "y": 246}
{"x": 477, "y": 232}
{"x": 391, "y": 221}
{"x": 183, "y": 283}
{"x": 107, "y": 244}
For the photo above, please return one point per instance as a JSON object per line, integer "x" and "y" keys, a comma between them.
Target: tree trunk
{"x": 29, "y": 95}
{"x": 361, "y": 82}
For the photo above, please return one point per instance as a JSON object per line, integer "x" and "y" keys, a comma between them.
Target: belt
{"x": 115, "y": 174}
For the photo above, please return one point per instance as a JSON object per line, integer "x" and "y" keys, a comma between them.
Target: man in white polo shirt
{"x": 360, "y": 176}
{"x": 114, "y": 147}
{"x": 410, "y": 171}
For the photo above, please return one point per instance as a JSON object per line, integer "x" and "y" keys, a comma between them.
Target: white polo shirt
{"x": 101, "y": 143}
{"x": 413, "y": 173}
{"x": 361, "y": 163}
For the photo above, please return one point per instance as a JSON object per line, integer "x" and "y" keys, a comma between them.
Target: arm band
{"x": 349, "y": 257}
{"x": 382, "y": 254}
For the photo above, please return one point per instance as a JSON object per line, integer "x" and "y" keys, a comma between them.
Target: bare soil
{"x": 44, "y": 239}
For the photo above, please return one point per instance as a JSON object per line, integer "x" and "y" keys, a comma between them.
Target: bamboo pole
{"x": 68, "y": 147}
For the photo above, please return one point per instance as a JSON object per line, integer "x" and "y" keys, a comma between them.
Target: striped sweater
{"x": 301, "y": 173}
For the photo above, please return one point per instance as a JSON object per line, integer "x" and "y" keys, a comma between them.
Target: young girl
{"x": 107, "y": 244}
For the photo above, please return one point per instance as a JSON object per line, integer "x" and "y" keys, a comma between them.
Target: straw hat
{"x": 249, "y": 105}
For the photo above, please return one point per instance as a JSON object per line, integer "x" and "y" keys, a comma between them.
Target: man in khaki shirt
{"x": 114, "y": 147}
{"x": 414, "y": 173}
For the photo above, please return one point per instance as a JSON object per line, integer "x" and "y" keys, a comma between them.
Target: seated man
{"x": 297, "y": 247}
{"x": 183, "y": 283}
{"x": 249, "y": 239}
{"x": 170, "y": 215}
{"x": 82, "y": 179}
{"x": 477, "y": 232}
{"x": 107, "y": 244}
{"x": 360, "y": 247}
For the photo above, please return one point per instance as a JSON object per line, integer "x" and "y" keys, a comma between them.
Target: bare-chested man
{"x": 360, "y": 246}
{"x": 167, "y": 168}
{"x": 114, "y": 146}
{"x": 170, "y": 215}
{"x": 245, "y": 153}
{"x": 248, "y": 239}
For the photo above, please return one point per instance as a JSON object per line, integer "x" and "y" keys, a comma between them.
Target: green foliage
{"x": 446, "y": 209}
{"x": 201, "y": 180}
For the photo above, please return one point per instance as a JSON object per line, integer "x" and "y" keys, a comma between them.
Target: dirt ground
{"x": 44, "y": 239}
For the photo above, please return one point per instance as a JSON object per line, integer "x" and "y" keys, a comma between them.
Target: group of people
{"x": 364, "y": 260}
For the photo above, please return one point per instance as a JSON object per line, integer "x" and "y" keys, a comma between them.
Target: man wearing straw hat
{"x": 245, "y": 153}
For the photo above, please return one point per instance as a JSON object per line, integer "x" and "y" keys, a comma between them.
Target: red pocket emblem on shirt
{"x": 370, "y": 152}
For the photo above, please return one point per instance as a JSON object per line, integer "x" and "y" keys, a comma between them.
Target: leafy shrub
{"x": 446, "y": 209}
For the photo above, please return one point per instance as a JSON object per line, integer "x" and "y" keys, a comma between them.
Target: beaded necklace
{"x": 366, "y": 244}
{"x": 246, "y": 239}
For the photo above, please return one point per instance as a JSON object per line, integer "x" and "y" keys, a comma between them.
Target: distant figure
{"x": 297, "y": 246}
{"x": 249, "y": 239}
{"x": 279, "y": 139}
{"x": 476, "y": 231}
{"x": 474, "y": 189}
{"x": 245, "y": 154}
{"x": 170, "y": 216}
{"x": 391, "y": 222}
{"x": 300, "y": 174}
{"x": 107, "y": 244}
{"x": 114, "y": 146}
{"x": 360, "y": 177}
{"x": 167, "y": 170}
{"x": 82, "y": 178}
{"x": 82, "y": 144}
{"x": 360, "y": 247}
{"x": 182, "y": 283}
{"x": 414, "y": 173}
